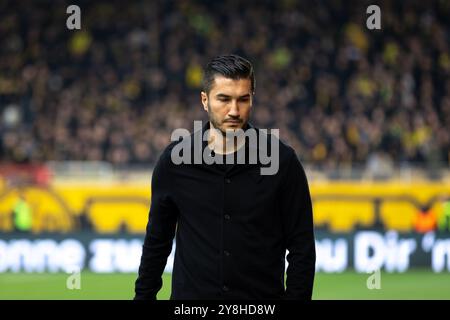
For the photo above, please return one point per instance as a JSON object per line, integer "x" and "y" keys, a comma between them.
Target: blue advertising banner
{"x": 362, "y": 251}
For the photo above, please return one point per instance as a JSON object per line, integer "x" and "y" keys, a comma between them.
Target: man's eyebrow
{"x": 222, "y": 95}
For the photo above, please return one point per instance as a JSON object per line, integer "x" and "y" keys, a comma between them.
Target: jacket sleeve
{"x": 159, "y": 233}
{"x": 299, "y": 232}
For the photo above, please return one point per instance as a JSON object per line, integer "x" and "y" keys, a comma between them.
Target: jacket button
{"x": 227, "y": 253}
{"x": 225, "y": 288}
{"x": 227, "y": 217}
{"x": 228, "y": 180}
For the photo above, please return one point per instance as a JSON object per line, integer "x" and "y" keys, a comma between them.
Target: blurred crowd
{"x": 116, "y": 89}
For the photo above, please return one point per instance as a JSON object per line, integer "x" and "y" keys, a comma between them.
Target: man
{"x": 232, "y": 224}
{"x": 23, "y": 216}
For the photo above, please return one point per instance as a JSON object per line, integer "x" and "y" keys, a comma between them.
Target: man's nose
{"x": 234, "y": 109}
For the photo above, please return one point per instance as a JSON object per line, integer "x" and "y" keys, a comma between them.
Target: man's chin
{"x": 231, "y": 129}
{"x": 233, "y": 126}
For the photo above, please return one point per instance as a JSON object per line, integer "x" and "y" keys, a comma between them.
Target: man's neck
{"x": 220, "y": 144}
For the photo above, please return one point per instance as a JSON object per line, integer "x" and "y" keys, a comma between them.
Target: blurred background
{"x": 84, "y": 115}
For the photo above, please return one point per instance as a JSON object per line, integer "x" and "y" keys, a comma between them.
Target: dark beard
{"x": 218, "y": 125}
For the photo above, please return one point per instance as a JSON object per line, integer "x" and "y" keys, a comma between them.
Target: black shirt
{"x": 232, "y": 230}
{"x": 221, "y": 163}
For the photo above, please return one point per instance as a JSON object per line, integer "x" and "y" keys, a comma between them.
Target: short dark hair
{"x": 230, "y": 66}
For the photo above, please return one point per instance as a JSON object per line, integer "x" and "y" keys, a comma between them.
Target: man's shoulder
{"x": 166, "y": 153}
{"x": 288, "y": 155}
{"x": 286, "y": 152}
{"x": 181, "y": 144}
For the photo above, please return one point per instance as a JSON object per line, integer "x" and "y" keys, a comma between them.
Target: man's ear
{"x": 204, "y": 100}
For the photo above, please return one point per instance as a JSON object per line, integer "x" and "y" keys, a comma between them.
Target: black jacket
{"x": 232, "y": 230}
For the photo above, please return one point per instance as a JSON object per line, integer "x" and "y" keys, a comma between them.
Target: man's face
{"x": 228, "y": 103}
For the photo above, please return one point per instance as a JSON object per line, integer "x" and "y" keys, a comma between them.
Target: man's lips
{"x": 233, "y": 121}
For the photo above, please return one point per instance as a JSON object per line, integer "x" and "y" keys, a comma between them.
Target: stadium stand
{"x": 354, "y": 103}
{"x": 116, "y": 89}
